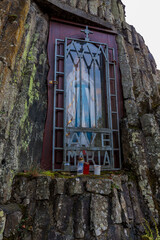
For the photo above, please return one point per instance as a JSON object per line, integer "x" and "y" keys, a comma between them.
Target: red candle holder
{"x": 86, "y": 168}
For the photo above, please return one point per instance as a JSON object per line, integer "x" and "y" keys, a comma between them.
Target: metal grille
{"x": 85, "y": 97}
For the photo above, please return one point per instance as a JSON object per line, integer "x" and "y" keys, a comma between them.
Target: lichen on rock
{"x": 24, "y": 29}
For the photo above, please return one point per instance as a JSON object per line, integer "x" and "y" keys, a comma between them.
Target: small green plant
{"x": 149, "y": 233}
{"x": 32, "y": 170}
{"x": 114, "y": 185}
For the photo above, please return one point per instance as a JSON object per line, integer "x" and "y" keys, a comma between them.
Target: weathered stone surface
{"x": 80, "y": 226}
{"x": 116, "y": 208}
{"x": 27, "y": 236}
{"x": 136, "y": 205}
{"x": 158, "y": 78}
{"x": 23, "y": 73}
{"x": 82, "y": 217}
{"x": 117, "y": 9}
{"x": 128, "y": 32}
{"x": 128, "y": 203}
{"x": 2, "y": 223}
{"x": 13, "y": 217}
{"x": 43, "y": 188}
{"x": 63, "y": 210}
{"x": 24, "y": 189}
{"x": 73, "y": 3}
{"x": 135, "y": 39}
{"x": 132, "y": 113}
{"x": 53, "y": 235}
{"x": 6, "y": 179}
{"x": 41, "y": 220}
{"x": 59, "y": 186}
{"x": 24, "y": 47}
{"x": 126, "y": 75}
{"x": 117, "y": 232}
{"x": 99, "y": 214}
{"x": 93, "y": 7}
{"x": 149, "y": 125}
{"x": 82, "y": 5}
{"x": 75, "y": 186}
{"x": 102, "y": 186}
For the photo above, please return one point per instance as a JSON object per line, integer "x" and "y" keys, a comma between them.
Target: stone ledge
{"x": 57, "y": 8}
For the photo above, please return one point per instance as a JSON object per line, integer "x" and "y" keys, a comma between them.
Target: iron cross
{"x": 87, "y": 32}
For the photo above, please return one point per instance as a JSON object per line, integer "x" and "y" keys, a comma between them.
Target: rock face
{"x": 24, "y": 29}
{"x": 23, "y": 73}
{"x": 43, "y": 212}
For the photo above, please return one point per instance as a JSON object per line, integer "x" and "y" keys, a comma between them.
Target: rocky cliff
{"x": 23, "y": 72}
{"x": 45, "y": 208}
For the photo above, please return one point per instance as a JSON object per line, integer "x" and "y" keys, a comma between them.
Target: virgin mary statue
{"x": 80, "y": 77}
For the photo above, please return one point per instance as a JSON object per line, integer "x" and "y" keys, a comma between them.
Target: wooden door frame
{"x": 46, "y": 162}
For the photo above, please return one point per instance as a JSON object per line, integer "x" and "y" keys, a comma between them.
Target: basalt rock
{"x": 24, "y": 27}
{"x": 115, "y": 214}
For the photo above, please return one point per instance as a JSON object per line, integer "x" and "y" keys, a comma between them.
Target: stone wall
{"x": 42, "y": 208}
{"x": 23, "y": 72}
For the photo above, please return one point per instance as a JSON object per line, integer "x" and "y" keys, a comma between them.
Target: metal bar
{"x": 60, "y": 40}
{"x": 108, "y": 131}
{"x": 60, "y": 73}
{"x": 102, "y": 140}
{"x": 114, "y": 112}
{"x": 98, "y": 130}
{"x": 117, "y": 109}
{"x": 99, "y": 157}
{"x": 109, "y": 103}
{"x": 80, "y": 92}
{"x": 57, "y": 170}
{"x": 60, "y": 56}
{"x": 59, "y": 109}
{"x": 95, "y": 97}
{"x": 81, "y": 40}
{"x": 64, "y": 117}
{"x": 109, "y": 48}
{"x": 75, "y": 148}
{"x": 89, "y": 86}
{"x": 76, "y": 91}
{"x": 68, "y": 49}
{"x": 54, "y": 106}
{"x": 91, "y": 168}
{"x": 59, "y": 90}
{"x": 84, "y": 52}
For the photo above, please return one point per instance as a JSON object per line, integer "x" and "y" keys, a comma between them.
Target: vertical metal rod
{"x": 54, "y": 106}
{"x": 95, "y": 97}
{"x": 81, "y": 92}
{"x": 76, "y": 88}
{"x": 99, "y": 158}
{"x": 89, "y": 86}
{"x": 116, "y": 94}
{"x": 109, "y": 104}
{"x": 64, "y": 117}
